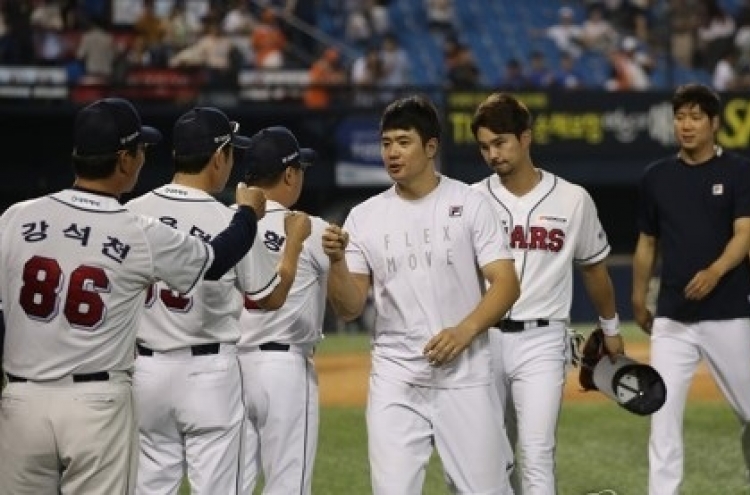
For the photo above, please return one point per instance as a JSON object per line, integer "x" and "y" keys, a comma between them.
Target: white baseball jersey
{"x": 211, "y": 312}
{"x": 300, "y": 319}
{"x": 73, "y": 263}
{"x": 553, "y": 225}
{"x": 418, "y": 253}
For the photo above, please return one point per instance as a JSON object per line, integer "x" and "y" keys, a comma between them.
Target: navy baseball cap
{"x": 108, "y": 126}
{"x": 203, "y": 130}
{"x": 272, "y": 150}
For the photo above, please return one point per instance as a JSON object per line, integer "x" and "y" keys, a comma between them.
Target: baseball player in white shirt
{"x": 552, "y": 225}
{"x": 76, "y": 265}
{"x": 275, "y": 348}
{"x": 187, "y": 382}
{"x": 425, "y": 247}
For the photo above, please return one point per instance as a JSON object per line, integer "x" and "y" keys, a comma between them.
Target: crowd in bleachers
{"x": 381, "y": 44}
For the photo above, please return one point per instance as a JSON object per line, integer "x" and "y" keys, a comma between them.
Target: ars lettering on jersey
{"x": 537, "y": 238}
{"x": 418, "y": 249}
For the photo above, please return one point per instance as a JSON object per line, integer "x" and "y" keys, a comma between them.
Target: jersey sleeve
{"x": 355, "y": 256}
{"x": 490, "y": 240}
{"x": 256, "y": 272}
{"x": 179, "y": 259}
{"x": 592, "y": 245}
{"x": 314, "y": 246}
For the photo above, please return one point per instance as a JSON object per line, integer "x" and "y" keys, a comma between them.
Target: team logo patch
{"x": 717, "y": 189}
{"x": 455, "y": 211}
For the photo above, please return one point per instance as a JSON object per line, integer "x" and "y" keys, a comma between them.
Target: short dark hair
{"x": 412, "y": 112}
{"x": 95, "y": 167}
{"x": 697, "y": 94}
{"x": 502, "y": 113}
{"x": 193, "y": 164}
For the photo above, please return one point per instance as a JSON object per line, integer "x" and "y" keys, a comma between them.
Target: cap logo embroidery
{"x": 222, "y": 138}
{"x": 717, "y": 189}
{"x": 129, "y": 137}
{"x": 289, "y": 158}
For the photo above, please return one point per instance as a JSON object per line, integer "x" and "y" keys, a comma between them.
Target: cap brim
{"x": 308, "y": 156}
{"x": 241, "y": 142}
{"x": 150, "y": 135}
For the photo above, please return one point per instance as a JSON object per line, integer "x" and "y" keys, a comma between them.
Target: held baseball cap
{"x": 108, "y": 126}
{"x": 203, "y": 130}
{"x": 272, "y": 150}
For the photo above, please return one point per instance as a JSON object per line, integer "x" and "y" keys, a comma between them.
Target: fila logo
{"x": 455, "y": 211}
{"x": 717, "y": 189}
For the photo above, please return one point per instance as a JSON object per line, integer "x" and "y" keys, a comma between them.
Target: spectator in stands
{"x": 440, "y": 15}
{"x": 47, "y": 25}
{"x": 715, "y": 33}
{"x": 538, "y": 75}
{"x": 325, "y": 74}
{"x": 97, "y": 51}
{"x": 682, "y": 31}
{"x": 461, "y": 70}
{"x": 367, "y": 76}
{"x": 238, "y": 24}
{"x": 513, "y": 79}
{"x": 395, "y": 63}
{"x": 566, "y": 34}
{"x": 366, "y": 22}
{"x": 727, "y": 75}
{"x": 630, "y": 67}
{"x": 597, "y": 33}
{"x": 214, "y": 52}
{"x": 152, "y": 31}
{"x": 268, "y": 41}
{"x": 567, "y": 77}
{"x": 181, "y": 28}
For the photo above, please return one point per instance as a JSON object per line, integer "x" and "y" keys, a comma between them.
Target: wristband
{"x": 610, "y": 327}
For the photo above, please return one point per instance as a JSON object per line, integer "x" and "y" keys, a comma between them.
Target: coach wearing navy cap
{"x": 273, "y": 150}
{"x": 275, "y": 347}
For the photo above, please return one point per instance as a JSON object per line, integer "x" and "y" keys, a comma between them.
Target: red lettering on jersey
{"x": 518, "y": 238}
{"x": 556, "y": 239}
{"x": 537, "y": 238}
{"x": 540, "y": 239}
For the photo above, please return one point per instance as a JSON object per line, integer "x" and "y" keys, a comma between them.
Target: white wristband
{"x": 610, "y": 327}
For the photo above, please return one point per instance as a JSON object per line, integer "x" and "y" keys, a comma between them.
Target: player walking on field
{"x": 187, "y": 379}
{"x": 695, "y": 213}
{"x": 553, "y": 226}
{"x": 425, "y": 247}
{"x": 76, "y": 265}
{"x": 276, "y": 347}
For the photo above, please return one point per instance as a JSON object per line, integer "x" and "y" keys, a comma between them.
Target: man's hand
{"x": 297, "y": 226}
{"x": 446, "y": 345}
{"x": 702, "y": 284}
{"x": 254, "y": 197}
{"x": 614, "y": 346}
{"x": 643, "y": 317}
{"x": 335, "y": 240}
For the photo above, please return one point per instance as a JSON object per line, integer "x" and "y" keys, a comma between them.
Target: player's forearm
{"x": 497, "y": 300}
{"x": 736, "y": 250}
{"x": 233, "y": 243}
{"x": 346, "y": 298}
{"x": 600, "y": 290}
{"x": 287, "y": 271}
{"x": 644, "y": 260}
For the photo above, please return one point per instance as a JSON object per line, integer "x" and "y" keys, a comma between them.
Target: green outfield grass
{"x": 600, "y": 445}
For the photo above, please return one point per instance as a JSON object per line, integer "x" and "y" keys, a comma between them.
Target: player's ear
{"x": 431, "y": 148}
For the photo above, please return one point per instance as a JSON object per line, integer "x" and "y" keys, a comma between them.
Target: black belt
{"x": 512, "y": 326}
{"x": 195, "y": 350}
{"x": 100, "y": 376}
{"x": 274, "y": 346}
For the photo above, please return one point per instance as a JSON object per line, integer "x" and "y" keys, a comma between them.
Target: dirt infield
{"x": 343, "y": 380}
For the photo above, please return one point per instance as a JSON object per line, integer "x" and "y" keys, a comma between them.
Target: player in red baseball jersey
{"x": 276, "y": 347}
{"x": 553, "y": 226}
{"x": 425, "y": 248}
{"x": 76, "y": 265}
{"x": 187, "y": 379}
